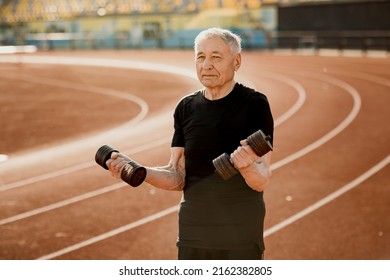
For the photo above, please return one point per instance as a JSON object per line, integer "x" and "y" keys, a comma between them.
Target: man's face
{"x": 215, "y": 63}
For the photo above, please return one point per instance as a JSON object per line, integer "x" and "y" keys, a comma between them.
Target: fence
{"x": 362, "y": 40}
{"x": 258, "y": 39}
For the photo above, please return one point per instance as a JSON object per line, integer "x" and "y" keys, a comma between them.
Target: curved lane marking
{"x": 93, "y": 89}
{"x": 339, "y": 128}
{"x": 382, "y": 164}
{"x": 111, "y": 233}
{"x": 327, "y": 137}
{"x": 286, "y": 80}
{"x": 297, "y": 105}
{"x": 99, "y": 62}
{"x": 88, "y": 195}
{"x": 351, "y": 116}
{"x": 267, "y": 232}
{"x": 284, "y": 117}
{"x": 161, "y": 213}
{"x": 274, "y": 166}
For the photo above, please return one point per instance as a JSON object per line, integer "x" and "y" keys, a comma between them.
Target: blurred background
{"x": 173, "y": 24}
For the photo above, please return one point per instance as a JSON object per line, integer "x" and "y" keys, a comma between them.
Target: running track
{"x": 329, "y": 196}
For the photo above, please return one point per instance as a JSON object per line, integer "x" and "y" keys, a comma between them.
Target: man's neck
{"x": 218, "y": 92}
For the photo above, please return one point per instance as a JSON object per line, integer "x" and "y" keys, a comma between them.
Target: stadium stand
{"x": 109, "y": 23}
{"x": 51, "y": 24}
{"x": 30, "y": 10}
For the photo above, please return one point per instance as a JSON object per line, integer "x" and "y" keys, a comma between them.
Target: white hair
{"x": 233, "y": 40}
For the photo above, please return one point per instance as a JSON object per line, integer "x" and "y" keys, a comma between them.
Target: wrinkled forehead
{"x": 212, "y": 45}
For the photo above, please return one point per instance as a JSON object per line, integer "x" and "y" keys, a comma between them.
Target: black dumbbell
{"x": 260, "y": 144}
{"x": 132, "y": 173}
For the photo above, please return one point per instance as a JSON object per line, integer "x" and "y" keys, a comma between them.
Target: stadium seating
{"x": 30, "y": 10}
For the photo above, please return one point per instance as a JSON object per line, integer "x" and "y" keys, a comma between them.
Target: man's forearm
{"x": 257, "y": 176}
{"x": 165, "y": 178}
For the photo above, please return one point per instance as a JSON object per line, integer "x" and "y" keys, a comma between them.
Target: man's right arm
{"x": 169, "y": 177}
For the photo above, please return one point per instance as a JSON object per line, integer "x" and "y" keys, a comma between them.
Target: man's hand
{"x": 116, "y": 163}
{"x": 255, "y": 170}
{"x": 243, "y": 157}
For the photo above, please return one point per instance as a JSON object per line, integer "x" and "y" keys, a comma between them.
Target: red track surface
{"x": 329, "y": 196}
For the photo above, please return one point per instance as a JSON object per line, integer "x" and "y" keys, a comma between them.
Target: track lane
{"x": 54, "y": 254}
{"x": 22, "y": 215}
{"x": 348, "y": 228}
{"x": 39, "y": 189}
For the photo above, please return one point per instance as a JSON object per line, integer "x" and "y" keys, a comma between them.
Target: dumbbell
{"x": 260, "y": 144}
{"x": 132, "y": 173}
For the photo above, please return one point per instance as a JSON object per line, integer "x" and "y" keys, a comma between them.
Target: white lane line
{"x": 89, "y": 88}
{"x": 79, "y": 167}
{"x": 176, "y": 207}
{"x": 286, "y": 80}
{"x": 100, "y": 62}
{"x": 144, "y": 109}
{"x": 274, "y": 166}
{"x": 328, "y": 198}
{"x": 318, "y": 143}
{"x": 339, "y": 128}
{"x": 288, "y": 114}
{"x": 297, "y": 105}
{"x": 112, "y": 233}
{"x": 301, "y": 93}
{"x": 267, "y": 233}
{"x": 63, "y": 203}
{"x": 127, "y": 65}
{"x": 301, "y": 98}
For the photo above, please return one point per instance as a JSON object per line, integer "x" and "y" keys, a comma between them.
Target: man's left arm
{"x": 255, "y": 170}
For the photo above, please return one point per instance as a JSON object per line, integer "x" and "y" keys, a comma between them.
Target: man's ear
{"x": 237, "y": 62}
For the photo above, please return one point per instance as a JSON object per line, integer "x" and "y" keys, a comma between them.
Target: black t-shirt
{"x": 214, "y": 213}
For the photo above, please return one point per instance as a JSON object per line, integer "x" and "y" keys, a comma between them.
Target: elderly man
{"x": 218, "y": 219}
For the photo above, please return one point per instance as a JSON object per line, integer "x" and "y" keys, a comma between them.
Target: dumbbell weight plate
{"x": 260, "y": 143}
{"x": 224, "y": 167}
{"x": 103, "y": 154}
{"x": 133, "y": 174}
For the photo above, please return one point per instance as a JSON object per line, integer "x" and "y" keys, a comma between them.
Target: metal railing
{"x": 252, "y": 40}
{"x": 362, "y": 40}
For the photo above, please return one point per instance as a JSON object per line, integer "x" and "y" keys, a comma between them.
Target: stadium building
{"x": 122, "y": 24}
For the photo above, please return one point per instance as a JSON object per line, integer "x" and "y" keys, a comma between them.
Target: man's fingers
{"x": 243, "y": 157}
{"x": 115, "y": 159}
{"x": 118, "y": 163}
{"x": 115, "y": 163}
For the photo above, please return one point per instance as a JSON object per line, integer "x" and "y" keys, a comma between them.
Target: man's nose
{"x": 207, "y": 64}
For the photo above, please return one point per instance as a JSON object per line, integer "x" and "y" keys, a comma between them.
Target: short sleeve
{"x": 260, "y": 115}
{"x": 178, "y": 136}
